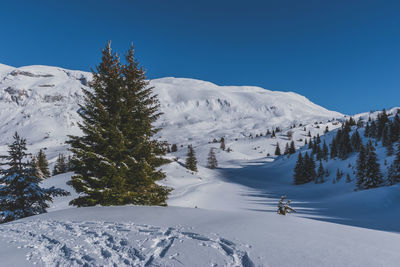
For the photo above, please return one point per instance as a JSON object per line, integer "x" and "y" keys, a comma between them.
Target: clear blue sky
{"x": 344, "y": 55}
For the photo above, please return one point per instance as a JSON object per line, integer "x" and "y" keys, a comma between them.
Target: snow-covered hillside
{"x": 40, "y": 102}
{"x": 216, "y": 217}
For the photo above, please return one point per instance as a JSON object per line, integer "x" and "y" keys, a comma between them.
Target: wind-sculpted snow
{"x": 95, "y": 243}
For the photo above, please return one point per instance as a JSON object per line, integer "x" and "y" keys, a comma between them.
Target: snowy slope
{"x": 235, "y": 223}
{"x": 196, "y": 109}
{"x": 172, "y": 236}
{"x": 40, "y": 102}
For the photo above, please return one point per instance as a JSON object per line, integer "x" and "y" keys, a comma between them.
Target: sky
{"x": 343, "y": 55}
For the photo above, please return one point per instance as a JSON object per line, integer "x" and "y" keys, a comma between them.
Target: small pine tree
{"x": 174, "y": 148}
{"x": 361, "y": 166}
{"x": 292, "y": 148}
{"x": 212, "y": 160}
{"x": 325, "y": 151}
{"x": 320, "y": 173}
{"x": 60, "y": 166}
{"x": 43, "y": 164}
{"x": 389, "y": 150}
{"x": 222, "y": 143}
{"x": 38, "y": 171}
{"x": 348, "y": 178}
{"x": 277, "y": 150}
{"x": 20, "y": 193}
{"x": 393, "y": 176}
{"x": 338, "y": 175}
{"x": 286, "y": 151}
{"x": 191, "y": 161}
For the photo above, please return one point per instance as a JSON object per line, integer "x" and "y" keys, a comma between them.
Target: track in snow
{"x": 56, "y": 243}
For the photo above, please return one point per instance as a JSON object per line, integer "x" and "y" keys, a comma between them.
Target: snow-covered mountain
{"x": 40, "y": 102}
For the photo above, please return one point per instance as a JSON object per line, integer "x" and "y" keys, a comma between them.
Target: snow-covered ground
{"x": 176, "y": 236}
{"x": 221, "y": 217}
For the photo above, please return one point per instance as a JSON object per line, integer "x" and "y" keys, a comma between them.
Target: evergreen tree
{"x": 277, "y": 150}
{"x": 292, "y": 148}
{"x": 43, "y": 164}
{"x": 386, "y": 136}
{"x": 395, "y": 130}
{"x": 338, "y": 175}
{"x": 191, "y": 161}
{"x": 20, "y": 193}
{"x": 115, "y": 161}
{"x": 360, "y": 123}
{"x": 372, "y": 130}
{"x": 394, "y": 171}
{"x": 333, "y": 149}
{"x": 61, "y": 165}
{"x": 382, "y": 119}
{"x": 38, "y": 171}
{"x": 319, "y": 154}
{"x": 315, "y": 148}
{"x": 393, "y": 176}
{"x": 373, "y": 176}
{"x": 361, "y": 166}
{"x": 70, "y": 165}
{"x": 366, "y": 131}
{"x": 355, "y": 141}
{"x": 273, "y": 134}
{"x": 222, "y": 143}
{"x": 286, "y": 151}
{"x": 299, "y": 171}
{"x": 325, "y": 151}
{"x": 343, "y": 138}
{"x": 212, "y": 160}
{"x": 309, "y": 168}
{"x": 348, "y": 178}
{"x": 389, "y": 150}
{"x": 174, "y": 148}
{"x": 320, "y": 173}
{"x": 318, "y": 139}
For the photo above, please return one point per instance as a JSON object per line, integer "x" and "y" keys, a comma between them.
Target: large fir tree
{"x": 115, "y": 161}
{"x": 20, "y": 192}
